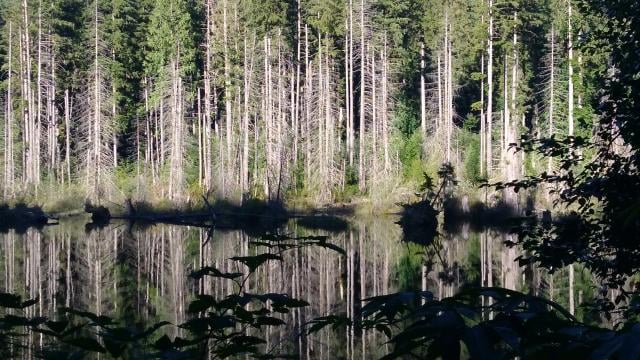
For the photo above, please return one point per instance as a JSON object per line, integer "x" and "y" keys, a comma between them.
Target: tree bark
{"x": 489, "y": 112}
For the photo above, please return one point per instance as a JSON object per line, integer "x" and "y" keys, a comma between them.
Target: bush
{"x": 472, "y": 160}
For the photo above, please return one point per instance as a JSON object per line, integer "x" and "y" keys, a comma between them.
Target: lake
{"x": 139, "y": 275}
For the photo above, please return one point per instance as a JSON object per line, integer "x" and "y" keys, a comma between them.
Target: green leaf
{"x": 57, "y": 326}
{"x": 202, "y": 303}
{"x": 86, "y": 343}
{"x": 151, "y": 330}
{"x": 213, "y": 272}
{"x": 163, "y": 344}
{"x": 196, "y": 325}
{"x": 335, "y": 321}
{"x": 254, "y": 262}
{"x": 13, "y": 301}
{"x": 331, "y": 246}
{"x": 114, "y": 348}
{"x": 384, "y": 329}
{"x": 269, "y": 321}
{"x": 100, "y": 320}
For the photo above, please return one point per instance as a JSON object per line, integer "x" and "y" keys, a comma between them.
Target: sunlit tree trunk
{"x": 450, "y": 114}
{"x": 67, "y": 138}
{"x": 570, "y": 49}
{"x": 489, "y": 112}
{"x": 483, "y": 121}
{"x": 350, "y": 78}
{"x": 423, "y": 106}
{"x": 441, "y": 114}
{"x": 361, "y": 171}
{"x": 98, "y": 128}
{"x": 551, "y": 106}
{"x": 384, "y": 110}
{"x": 248, "y": 71}
{"x": 227, "y": 91}
{"x": 9, "y": 163}
{"x": 208, "y": 122}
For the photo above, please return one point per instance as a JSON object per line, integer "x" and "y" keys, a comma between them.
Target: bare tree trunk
{"x": 296, "y": 113}
{"x": 489, "y": 112}
{"x": 227, "y": 88}
{"x": 440, "y": 96}
{"x": 31, "y": 136}
{"x": 512, "y": 165}
{"x": 350, "y": 110}
{"x": 320, "y": 108}
{"x": 571, "y": 130}
{"x": 483, "y": 125}
{"x": 248, "y": 71}
{"x": 570, "y": 95}
{"x": 374, "y": 117}
{"x": 423, "y": 109}
{"x": 9, "y": 165}
{"x": 361, "y": 174}
{"x": 514, "y": 85}
{"x": 94, "y": 160}
{"x": 385, "y": 126}
{"x": 208, "y": 122}
{"x": 52, "y": 116}
{"x": 552, "y": 84}
{"x": 67, "y": 125}
{"x": 450, "y": 114}
{"x": 572, "y": 306}
{"x": 308, "y": 88}
{"x": 328, "y": 119}
{"x": 507, "y": 111}
{"x": 39, "y": 91}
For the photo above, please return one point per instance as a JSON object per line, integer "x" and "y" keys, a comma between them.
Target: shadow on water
{"x": 144, "y": 279}
{"x": 457, "y": 212}
{"x": 21, "y": 217}
{"x": 330, "y": 223}
{"x": 419, "y": 222}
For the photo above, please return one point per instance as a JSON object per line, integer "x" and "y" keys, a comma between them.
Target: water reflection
{"x": 140, "y": 275}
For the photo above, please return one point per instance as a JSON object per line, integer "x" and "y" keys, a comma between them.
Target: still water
{"x": 139, "y": 275}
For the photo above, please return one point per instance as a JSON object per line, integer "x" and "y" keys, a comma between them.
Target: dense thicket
{"x": 316, "y": 99}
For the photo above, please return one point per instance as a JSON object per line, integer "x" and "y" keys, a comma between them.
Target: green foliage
{"x": 266, "y": 16}
{"x": 520, "y": 325}
{"x": 326, "y": 16}
{"x": 170, "y": 39}
{"x": 350, "y": 189}
{"x": 409, "y": 265}
{"x": 471, "y": 151}
{"x": 125, "y": 29}
{"x": 411, "y": 157}
{"x": 218, "y": 325}
{"x": 472, "y": 162}
{"x": 406, "y": 118}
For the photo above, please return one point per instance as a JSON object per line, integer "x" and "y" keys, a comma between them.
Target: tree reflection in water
{"x": 140, "y": 276}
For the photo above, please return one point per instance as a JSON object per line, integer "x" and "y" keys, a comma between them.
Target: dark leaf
{"x": 86, "y": 343}
{"x": 254, "y": 262}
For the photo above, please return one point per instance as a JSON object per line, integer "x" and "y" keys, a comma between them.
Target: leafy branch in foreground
{"x": 486, "y": 323}
{"x": 221, "y": 327}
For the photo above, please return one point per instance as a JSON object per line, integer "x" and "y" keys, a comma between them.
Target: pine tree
{"x": 169, "y": 62}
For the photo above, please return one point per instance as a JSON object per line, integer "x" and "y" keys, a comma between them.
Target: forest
{"x": 319, "y": 101}
{"x": 319, "y": 179}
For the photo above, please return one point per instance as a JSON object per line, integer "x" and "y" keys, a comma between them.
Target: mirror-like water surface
{"x": 140, "y": 275}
